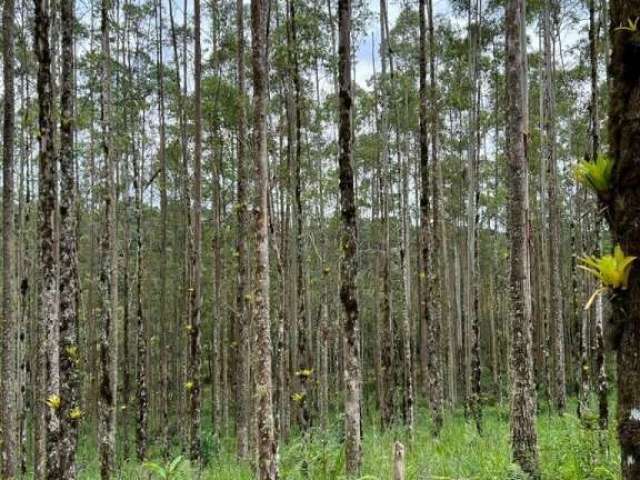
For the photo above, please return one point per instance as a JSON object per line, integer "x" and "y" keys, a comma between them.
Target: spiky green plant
{"x": 612, "y": 271}
{"x": 165, "y": 472}
{"x": 595, "y": 175}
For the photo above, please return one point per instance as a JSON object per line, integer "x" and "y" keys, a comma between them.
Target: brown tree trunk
{"x": 348, "y": 246}
{"x": 195, "y": 360}
{"x": 267, "y": 447}
{"x": 557, "y": 320}
{"x": 70, "y": 413}
{"x": 108, "y": 266}
{"x": 430, "y": 310}
{"x": 47, "y": 231}
{"x": 523, "y": 403}
{"x": 8, "y": 411}
{"x": 623, "y": 210}
{"x": 164, "y": 325}
{"x": 242, "y": 312}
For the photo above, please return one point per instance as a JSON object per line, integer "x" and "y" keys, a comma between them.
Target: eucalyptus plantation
{"x": 258, "y": 239}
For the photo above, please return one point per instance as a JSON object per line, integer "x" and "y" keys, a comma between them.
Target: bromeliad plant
{"x": 169, "y": 471}
{"x": 612, "y": 271}
{"x": 595, "y": 175}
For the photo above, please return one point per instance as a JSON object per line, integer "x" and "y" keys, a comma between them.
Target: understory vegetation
{"x": 570, "y": 449}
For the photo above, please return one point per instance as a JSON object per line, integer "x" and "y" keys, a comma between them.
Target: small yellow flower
{"x": 75, "y": 413}
{"x": 54, "y": 401}
{"x": 189, "y": 385}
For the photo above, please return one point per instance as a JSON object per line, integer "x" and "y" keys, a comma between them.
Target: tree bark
{"x": 70, "y": 413}
{"x": 242, "y": 313}
{"x": 195, "y": 394}
{"x": 47, "y": 231}
{"x": 523, "y": 404}
{"x": 430, "y": 311}
{"x": 8, "y": 411}
{"x": 623, "y": 209}
{"x": 557, "y": 320}
{"x": 348, "y": 245}
{"x": 108, "y": 266}
{"x": 267, "y": 447}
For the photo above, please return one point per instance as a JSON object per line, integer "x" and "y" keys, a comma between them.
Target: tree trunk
{"x": 47, "y": 231}
{"x": 523, "y": 404}
{"x": 348, "y": 246}
{"x": 430, "y": 310}
{"x": 242, "y": 313}
{"x": 267, "y": 447}
{"x": 108, "y": 266}
{"x": 623, "y": 209}
{"x": 557, "y": 320}
{"x": 70, "y": 413}
{"x": 8, "y": 411}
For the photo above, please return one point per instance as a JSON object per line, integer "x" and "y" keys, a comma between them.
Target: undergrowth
{"x": 568, "y": 451}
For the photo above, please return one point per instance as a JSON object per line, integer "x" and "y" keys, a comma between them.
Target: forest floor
{"x": 568, "y": 451}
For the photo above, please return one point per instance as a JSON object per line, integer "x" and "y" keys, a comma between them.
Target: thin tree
{"x": 242, "y": 312}
{"x": 108, "y": 267}
{"x": 430, "y": 311}
{"x": 8, "y": 411}
{"x": 193, "y": 381}
{"x": 555, "y": 287}
{"x": 523, "y": 404}
{"x": 348, "y": 246}
{"x": 162, "y": 160}
{"x": 622, "y": 211}
{"x": 47, "y": 232}
{"x": 71, "y": 413}
{"x": 267, "y": 447}
{"x": 603, "y": 387}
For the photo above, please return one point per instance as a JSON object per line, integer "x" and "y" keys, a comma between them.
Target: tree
{"x": 430, "y": 311}
{"x": 267, "y": 466}
{"x": 8, "y": 415}
{"x": 242, "y": 312}
{"x": 70, "y": 412}
{"x": 47, "y": 232}
{"x": 193, "y": 381}
{"x": 348, "y": 247}
{"x": 622, "y": 202}
{"x": 549, "y": 104}
{"x": 108, "y": 349}
{"x": 523, "y": 405}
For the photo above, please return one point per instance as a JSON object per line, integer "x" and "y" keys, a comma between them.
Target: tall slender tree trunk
{"x": 70, "y": 413}
{"x": 108, "y": 266}
{"x": 557, "y": 320}
{"x": 623, "y": 209}
{"x": 141, "y": 334}
{"x": 386, "y": 320}
{"x": 8, "y": 410}
{"x": 47, "y": 231}
{"x": 348, "y": 246}
{"x": 162, "y": 160}
{"x": 195, "y": 393}
{"x": 267, "y": 447}
{"x": 242, "y": 313}
{"x": 523, "y": 403}
{"x": 430, "y": 311}
{"x": 603, "y": 387}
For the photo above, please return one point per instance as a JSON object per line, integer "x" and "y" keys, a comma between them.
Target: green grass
{"x": 568, "y": 451}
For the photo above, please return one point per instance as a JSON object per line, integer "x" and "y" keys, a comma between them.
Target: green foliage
{"x": 595, "y": 175}
{"x": 168, "y": 471}
{"x": 611, "y": 270}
